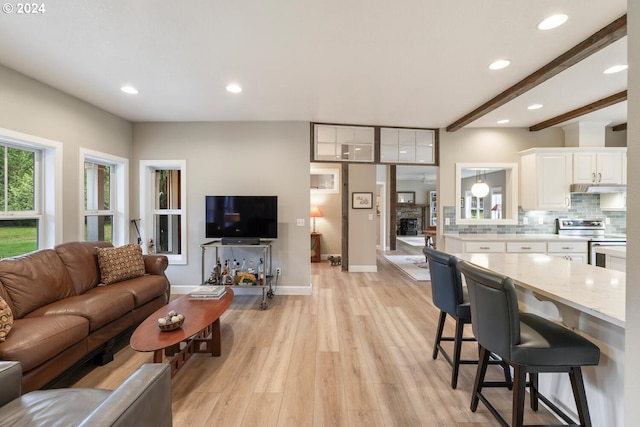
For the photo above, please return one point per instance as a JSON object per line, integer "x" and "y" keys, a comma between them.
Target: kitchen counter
{"x": 514, "y": 237}
{"x": 587, "y": 299}
{"x": 614, "y": 251}
{"x": 593, "y": 290}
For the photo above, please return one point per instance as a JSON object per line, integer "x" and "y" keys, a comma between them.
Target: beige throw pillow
{"x": 6, "y": 319}
{"x": 122, "y": 263}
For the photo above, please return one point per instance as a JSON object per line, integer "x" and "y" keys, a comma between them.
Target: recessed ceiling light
{"x": 534, "y": 107}
{"x": 503, "y": 121}
{"x": 499, "y": 64}
{"x": 615, "y": 69}
{"x": 129, "y": 89}
{"x": 234, "y": 88}
{"x": 552, "y": 21}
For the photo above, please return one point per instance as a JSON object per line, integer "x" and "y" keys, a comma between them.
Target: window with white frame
{"x": 163, "y": 208}
{"x": 407, "y": 145}
{"x": 30, "y": 193}
{"x": 104, "y": 191}
{"x": 343, "y": 143}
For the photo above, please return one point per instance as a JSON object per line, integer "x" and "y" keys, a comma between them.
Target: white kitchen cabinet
{"x": 527, "y": 247}
{"x": 599, "y": 167}
{"x": 486, "y": 247}
{"x": 545, "y": 179}
{"x": 572, "y": 251}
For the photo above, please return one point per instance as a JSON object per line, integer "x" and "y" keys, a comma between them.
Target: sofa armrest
{"x": 144, "y": 399}
{"x": 155, "y": 264}
{"x": 10, "y": 381}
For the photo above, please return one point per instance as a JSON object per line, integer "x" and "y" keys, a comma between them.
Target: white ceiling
{"x": 419, "y": 63}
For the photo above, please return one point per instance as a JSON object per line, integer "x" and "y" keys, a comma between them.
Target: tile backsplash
{"x": 582, "y": 206}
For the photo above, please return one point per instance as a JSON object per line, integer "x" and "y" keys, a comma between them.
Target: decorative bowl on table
{"x": 171, "y": 321}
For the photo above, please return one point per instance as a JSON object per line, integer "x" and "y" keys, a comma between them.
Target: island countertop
{"x": 597, "y": 291}
{"x": 614, "y": 251}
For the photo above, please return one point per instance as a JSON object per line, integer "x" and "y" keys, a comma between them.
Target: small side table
{"x": 315, "y": 247}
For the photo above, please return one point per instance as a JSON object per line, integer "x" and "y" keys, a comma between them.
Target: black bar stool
{"x": 529, "y": 343}
{"x": 450, "y": 297}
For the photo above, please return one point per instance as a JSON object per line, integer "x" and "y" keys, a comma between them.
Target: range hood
{"x": 591, "y": 188}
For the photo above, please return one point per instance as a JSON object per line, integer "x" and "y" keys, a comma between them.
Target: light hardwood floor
{"x": 355, "y": 353}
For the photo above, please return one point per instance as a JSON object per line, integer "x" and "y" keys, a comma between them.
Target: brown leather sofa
{"x": 143, "y": 399}
{"x": 61, "y": 315}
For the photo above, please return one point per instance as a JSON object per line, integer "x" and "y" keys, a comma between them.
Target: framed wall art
{"x": 361, "y": 200}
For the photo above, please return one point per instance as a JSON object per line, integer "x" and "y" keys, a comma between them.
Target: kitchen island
{"x": 613, "y": 257}
{"x": 587, "y": 299}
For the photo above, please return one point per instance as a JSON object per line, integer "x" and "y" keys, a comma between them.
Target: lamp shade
{"x": 480, "y": 189}
{"x": 315, "y": 212}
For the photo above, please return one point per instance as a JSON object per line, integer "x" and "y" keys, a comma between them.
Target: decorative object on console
{"x": 315, "y": 213}
{"x": 361, "y": 200}
{"x": 121, "y": 263}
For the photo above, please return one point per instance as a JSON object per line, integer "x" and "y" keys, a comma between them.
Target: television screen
{"x": 241, "y": 217}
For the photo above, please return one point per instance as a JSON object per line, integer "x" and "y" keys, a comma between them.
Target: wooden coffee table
{"x": 200, "y": 331}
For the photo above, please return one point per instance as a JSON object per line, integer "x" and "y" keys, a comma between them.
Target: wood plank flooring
{"x": 355, "y": 353}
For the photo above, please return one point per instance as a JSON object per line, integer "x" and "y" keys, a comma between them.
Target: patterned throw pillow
{"x": 118, "y": 264}
{"x": 6, "y": 319}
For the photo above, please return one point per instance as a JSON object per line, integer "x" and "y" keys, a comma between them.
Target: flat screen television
{"x": 238, "y": 218}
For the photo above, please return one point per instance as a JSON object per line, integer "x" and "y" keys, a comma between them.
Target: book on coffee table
{"x": 208, "y": 292}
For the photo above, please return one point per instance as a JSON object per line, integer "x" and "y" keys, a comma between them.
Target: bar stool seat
{"x": 451, "y": 298}
{"x": 529, "y": 343}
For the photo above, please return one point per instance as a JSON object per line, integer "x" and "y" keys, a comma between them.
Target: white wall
{"x": 362, "y": 222}
{"x": 237, "y": 158}
{"x": 34, "y": 108}
{"x": 632, "y": 329}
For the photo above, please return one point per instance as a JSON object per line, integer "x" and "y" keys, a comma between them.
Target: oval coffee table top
{"x": 198, "y": 314}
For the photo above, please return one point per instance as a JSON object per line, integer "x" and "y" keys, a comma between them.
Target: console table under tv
{"x": 264, "y": 246}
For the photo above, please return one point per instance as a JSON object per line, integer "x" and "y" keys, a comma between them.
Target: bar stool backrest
{"x": 494, "y": 308}
{"x": 446, "y": 282}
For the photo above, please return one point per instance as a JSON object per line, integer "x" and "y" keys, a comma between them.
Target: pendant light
{"x": 479, "y": 188}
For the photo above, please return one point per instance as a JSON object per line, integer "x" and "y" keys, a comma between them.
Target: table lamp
{"x": 315, "y": 213}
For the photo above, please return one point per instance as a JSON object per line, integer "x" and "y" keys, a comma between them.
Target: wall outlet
{"x": 607, "y": 220}
{"x": 447, "y": 221}
{"x": 541, "y": 220}
{"x": 300, "y": 222}
{"x": 278, "y": 271}
{"x": 525, "y": 220}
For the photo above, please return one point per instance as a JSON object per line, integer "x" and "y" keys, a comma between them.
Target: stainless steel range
{"x": 595, "y": 231}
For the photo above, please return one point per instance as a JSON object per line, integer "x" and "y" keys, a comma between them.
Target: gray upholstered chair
{"x": 450, "y": 297}
{"x": 529, "y": 343}
{"x": 143, "y": 399}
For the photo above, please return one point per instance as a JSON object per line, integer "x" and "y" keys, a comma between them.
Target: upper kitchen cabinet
{"x": 598, "y": 167}
{"x": 545, "y": 179}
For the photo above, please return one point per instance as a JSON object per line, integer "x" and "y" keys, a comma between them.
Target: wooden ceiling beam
{"x": 621, "y": 126}
{"x": 592, "y": 44}
{"x": 594, "y": 106}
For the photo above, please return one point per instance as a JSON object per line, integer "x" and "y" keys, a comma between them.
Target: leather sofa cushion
{"x": 97, "y": 307}
{"x": 34, "y": 280}
{"x": 36, "y": 340}
{"x": 52, "y": 408}
{"x": 143, "y": 289}
{"x": 81, "y": 261}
